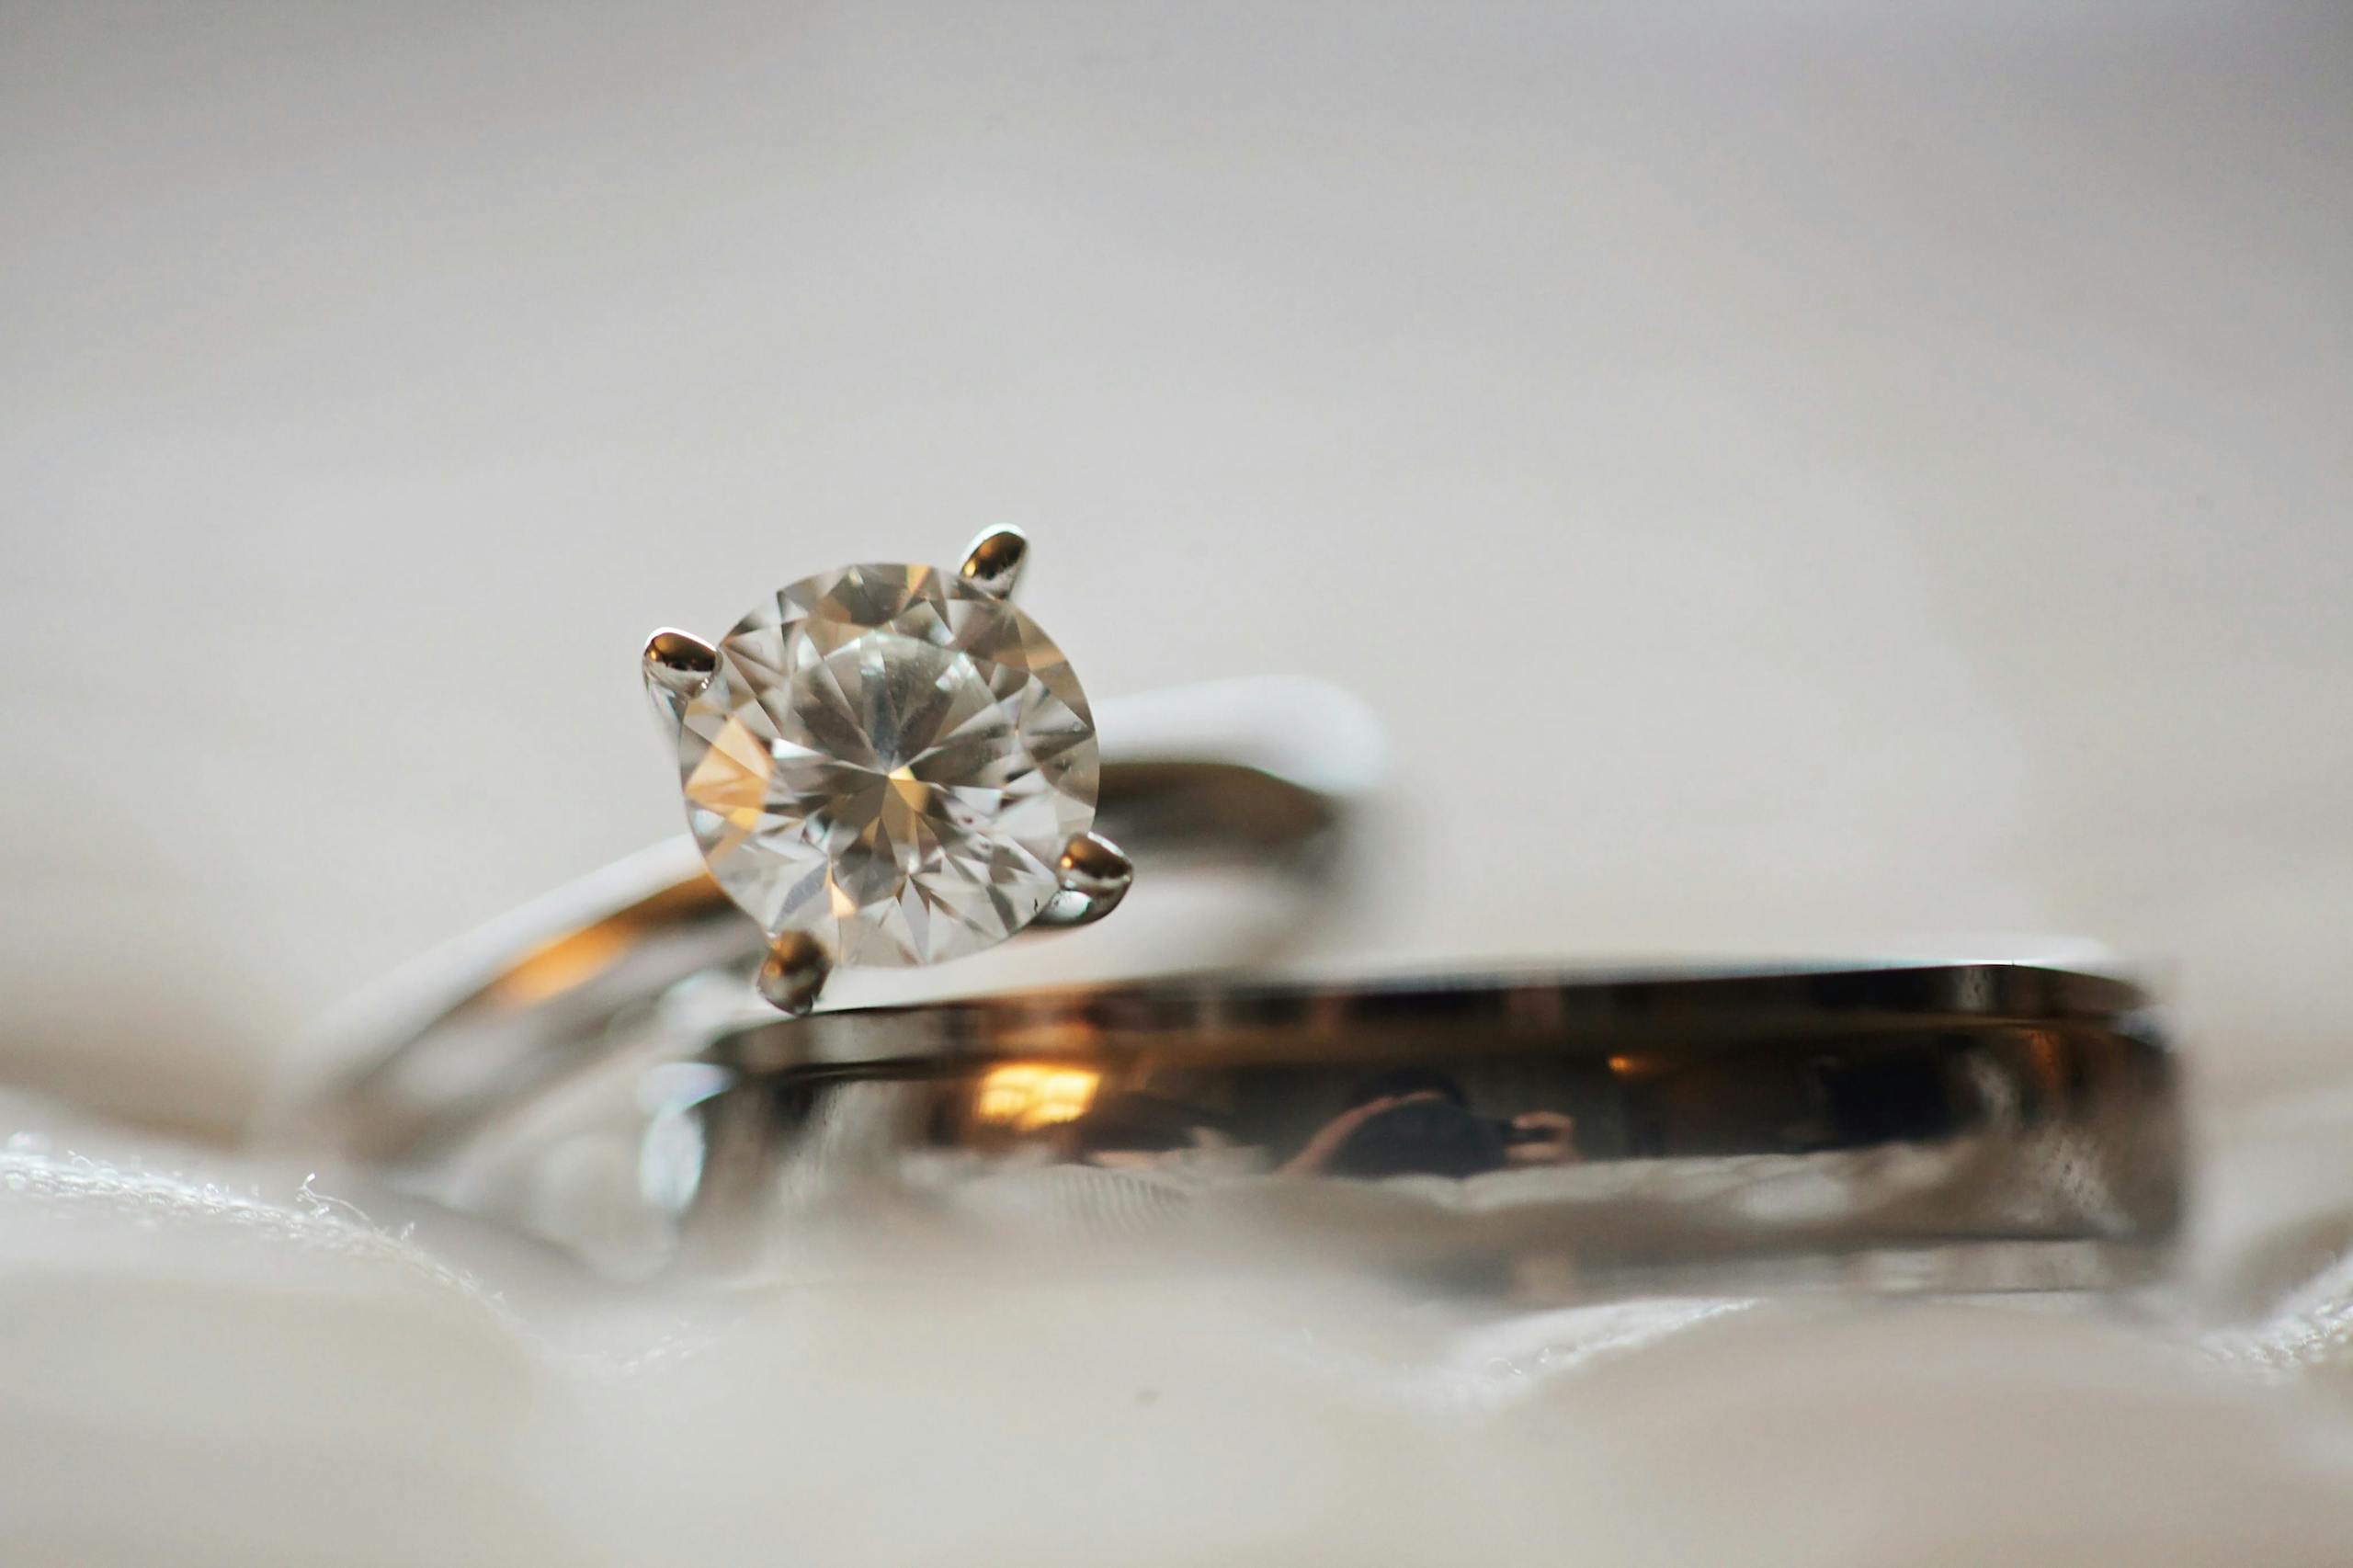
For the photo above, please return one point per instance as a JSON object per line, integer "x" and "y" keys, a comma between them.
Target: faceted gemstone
{"x": 890, "y": 760}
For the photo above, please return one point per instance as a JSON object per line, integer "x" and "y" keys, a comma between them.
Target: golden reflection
{"x": 1026, "y": 1095}
{"x": 2048, "y": 1054}
{"x": 560, "y": 964}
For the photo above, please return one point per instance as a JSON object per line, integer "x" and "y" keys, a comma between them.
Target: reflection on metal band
{"x": 1959, "y": 1126}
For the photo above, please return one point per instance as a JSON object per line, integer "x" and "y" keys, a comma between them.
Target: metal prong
{"x": 794, "y": 972}
{"x": 1095, "y": 875}
{"x": 677, "y": 664}
{"x": 993, "y": 564}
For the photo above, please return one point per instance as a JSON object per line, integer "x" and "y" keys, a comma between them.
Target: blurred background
{"x": 1814, "y": 477}
{"x": 1795, "y": 478}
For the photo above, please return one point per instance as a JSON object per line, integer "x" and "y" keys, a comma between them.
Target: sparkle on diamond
{"x": 889, "y": 759}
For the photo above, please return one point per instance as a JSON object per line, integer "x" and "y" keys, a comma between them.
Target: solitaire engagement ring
{"x": 884, "y": 767}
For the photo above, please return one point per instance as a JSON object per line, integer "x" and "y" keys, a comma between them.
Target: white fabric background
{"x": 1793, "y": 477}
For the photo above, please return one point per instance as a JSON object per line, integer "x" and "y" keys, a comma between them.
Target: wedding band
{"x": 1956, "y": 1126}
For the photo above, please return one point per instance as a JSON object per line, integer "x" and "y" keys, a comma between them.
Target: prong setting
{"x": 1094, "y": 874}
{"x": 994, "y": 562}
{"x": 794, "y": 973}
{"x": 677, "y": 664}
{"x": 1007, "y": 808}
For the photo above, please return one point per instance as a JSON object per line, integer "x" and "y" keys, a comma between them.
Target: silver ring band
{"x": 1965, "y": 1127}
{"x": 1958, "y": 1126}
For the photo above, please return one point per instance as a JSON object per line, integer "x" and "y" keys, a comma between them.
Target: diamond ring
{"x": 889, "y": 765}
{"x": 883, "y": 768}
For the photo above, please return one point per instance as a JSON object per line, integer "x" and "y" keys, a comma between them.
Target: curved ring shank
{"x": 1254, "y": 772}
{"x": 1956, "y": 1127}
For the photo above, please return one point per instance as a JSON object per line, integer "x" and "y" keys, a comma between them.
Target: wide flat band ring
{"x": 646, "y": 959}
{"x": 1951, "y": 1126}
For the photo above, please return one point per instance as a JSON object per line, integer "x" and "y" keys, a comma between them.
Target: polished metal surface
{"x": 1096, "y": 875}
{"x": 793, "y": 973}
{"x": 1951, "y": 1126}
{"x": 676, "y": 665}
{"x": 994, "y": 562}
{"x": 1255, "y": 775}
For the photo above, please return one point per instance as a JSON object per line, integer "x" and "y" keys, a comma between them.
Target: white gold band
{"x": 1946, "y": 1127}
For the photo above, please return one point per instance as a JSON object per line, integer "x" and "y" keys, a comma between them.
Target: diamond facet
{"x": 890, "y": 759}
